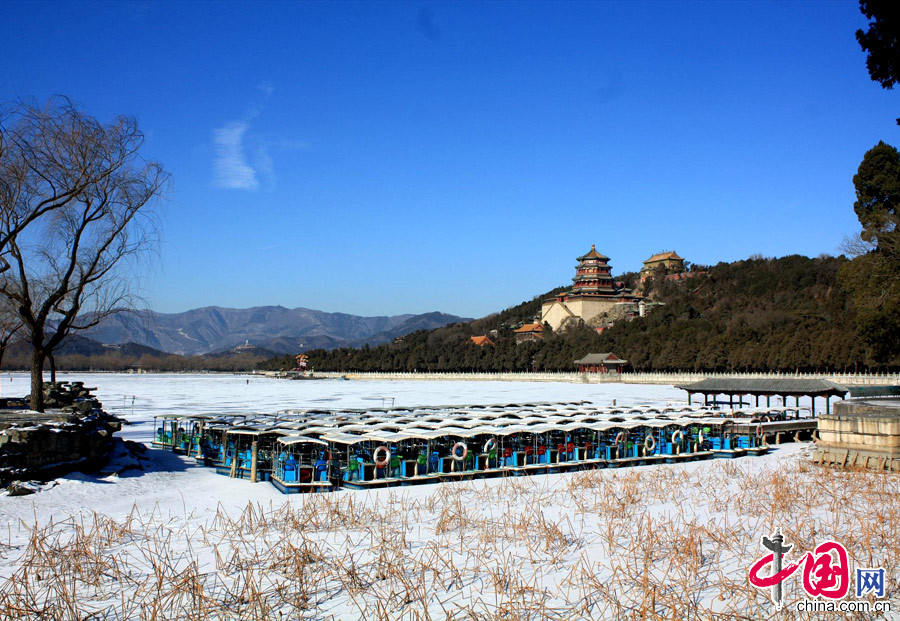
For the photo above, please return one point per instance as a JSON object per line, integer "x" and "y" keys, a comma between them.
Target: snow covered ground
{"x": 178, "y": 541}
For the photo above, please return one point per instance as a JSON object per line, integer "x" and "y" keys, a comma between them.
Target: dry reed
{"x": 661, "y": 542}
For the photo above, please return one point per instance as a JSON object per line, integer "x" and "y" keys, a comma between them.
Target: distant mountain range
{"x": 214, "y": 329}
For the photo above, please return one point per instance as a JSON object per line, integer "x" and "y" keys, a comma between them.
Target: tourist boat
{"x": 209, "y": 448}
{"x": 249, "y": 452}
{"x": 179, "y": 433}
{"x": 726, "y": 440}
{"x": 303, "y": 464}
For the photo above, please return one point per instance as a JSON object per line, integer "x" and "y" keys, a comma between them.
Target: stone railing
{"x": 854, "y": 379}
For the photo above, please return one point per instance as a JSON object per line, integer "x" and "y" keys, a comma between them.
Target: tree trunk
{"x": 52, "y": 367}
{"x": 37, "y": 380}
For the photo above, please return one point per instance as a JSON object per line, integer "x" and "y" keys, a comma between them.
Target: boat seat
{"x": 290, "y": 470}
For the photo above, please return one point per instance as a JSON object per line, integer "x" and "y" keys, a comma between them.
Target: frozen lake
{"x": 139, "y": 397}
{"x": 577, "y": 545}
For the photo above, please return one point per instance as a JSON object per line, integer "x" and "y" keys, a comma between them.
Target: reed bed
{"x": 661, "y": 542}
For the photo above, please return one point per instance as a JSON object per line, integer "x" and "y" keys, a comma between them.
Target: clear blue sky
{"x": 402, "y": 157}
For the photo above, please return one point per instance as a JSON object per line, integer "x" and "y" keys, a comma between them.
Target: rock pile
{"x": 73, "y": 434}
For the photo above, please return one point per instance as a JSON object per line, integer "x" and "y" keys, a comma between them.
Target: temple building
{"x": 592, "y": 296}
{"x": 529, "y": 332}
{"x": 664, "y": 263}
{"x": 600, "y": 363}
{"x": 482, "y": 340}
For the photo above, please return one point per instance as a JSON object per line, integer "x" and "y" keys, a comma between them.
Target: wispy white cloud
{"x": 244, "y": 155}
{"x": 231, "y": 168}
{"x": 264, "y": 163}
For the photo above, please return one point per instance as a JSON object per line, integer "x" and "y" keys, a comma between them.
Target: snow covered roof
{"x": 437, "y": 422}
{"x": 760, "y": 386}
{"x": 291, "y": 440}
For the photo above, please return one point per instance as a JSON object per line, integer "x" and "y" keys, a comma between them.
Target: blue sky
{"x": 402, "y": 157}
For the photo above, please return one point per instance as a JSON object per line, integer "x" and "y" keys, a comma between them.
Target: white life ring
{"x": 649, "y": 443}
{"x": 700, "y": 437}
{"x": 489, "y": 445}
{"x": 677, "y": 437}
{"x": 621, "y": 437}
{"x": 456, "y": 456}
{"x": 381, "y": 463}
{"x": 759, "y": 430}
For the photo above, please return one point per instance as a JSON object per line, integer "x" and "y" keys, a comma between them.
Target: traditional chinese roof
{"x": 482, "y": 340}
{"x": 736, "y": 386}
{"x": 593, "y": 254}
{"x": 663, "y": 256}
{"x": 530, "y": 327}
{"x": 607, "y": 358}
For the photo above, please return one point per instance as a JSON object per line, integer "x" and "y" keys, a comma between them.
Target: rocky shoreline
{"x": 73, "y": 434}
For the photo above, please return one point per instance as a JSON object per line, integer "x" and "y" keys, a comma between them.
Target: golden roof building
{"x": 664, "y": 262}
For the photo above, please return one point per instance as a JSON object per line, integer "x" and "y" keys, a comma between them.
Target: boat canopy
{"x": 293, "y": 440}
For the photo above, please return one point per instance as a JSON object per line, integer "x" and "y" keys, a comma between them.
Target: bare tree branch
{"x": 76, "y": 204}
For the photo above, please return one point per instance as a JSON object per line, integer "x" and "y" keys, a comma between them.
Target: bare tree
{"x": 75, "y": 204}
{"x": 10, "y": 325}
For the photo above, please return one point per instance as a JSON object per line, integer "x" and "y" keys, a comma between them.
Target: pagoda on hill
{"x": 592, "y": 275}
{"x": 593, "y": 293}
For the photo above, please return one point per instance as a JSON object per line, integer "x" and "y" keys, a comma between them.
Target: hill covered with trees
{"x": 785, "y": 314}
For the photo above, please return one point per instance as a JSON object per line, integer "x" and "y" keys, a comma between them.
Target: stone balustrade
{"x": 853, "y": 379}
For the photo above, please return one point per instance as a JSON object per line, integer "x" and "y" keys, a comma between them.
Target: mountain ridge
{"x": 211, "y": 329}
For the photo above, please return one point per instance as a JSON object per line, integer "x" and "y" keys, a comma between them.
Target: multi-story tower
{"x": 593, "y": 293}
{"x": 592, "y": 275}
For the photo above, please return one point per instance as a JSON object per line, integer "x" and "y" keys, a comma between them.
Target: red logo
{"x": 826, "y": 571}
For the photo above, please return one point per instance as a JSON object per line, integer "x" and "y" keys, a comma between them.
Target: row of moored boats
{"x": 317, "y": 450}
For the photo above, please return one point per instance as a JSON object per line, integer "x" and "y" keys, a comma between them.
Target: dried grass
{"x": 662, "y": 542}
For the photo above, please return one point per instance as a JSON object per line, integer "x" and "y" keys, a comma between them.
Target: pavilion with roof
{"x": 600, "y": 363}
{"x": 768, "y": 388}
